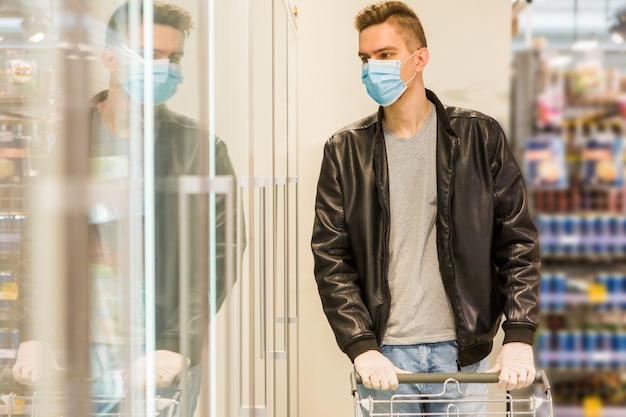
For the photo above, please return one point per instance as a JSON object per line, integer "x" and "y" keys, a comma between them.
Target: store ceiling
{"x": 563, "y": 22}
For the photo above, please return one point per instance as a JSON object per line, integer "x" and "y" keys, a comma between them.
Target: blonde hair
{"x": 398, "y": 14}
{"x": 163, "y": 14}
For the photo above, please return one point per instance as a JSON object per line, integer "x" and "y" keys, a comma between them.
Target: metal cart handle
{"x": 440, "y": 378}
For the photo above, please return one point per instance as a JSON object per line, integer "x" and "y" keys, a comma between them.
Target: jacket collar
{"x": 446, "y": 140}
{"x": 446, "y": 143}
{"x": 442, "y": 114}
{"x": 445, "y": 132}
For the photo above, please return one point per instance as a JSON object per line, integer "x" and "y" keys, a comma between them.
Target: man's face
{"x": 168, "y": 43}
{"x": 383, "y": 42}
{"x": 126, "y": 63}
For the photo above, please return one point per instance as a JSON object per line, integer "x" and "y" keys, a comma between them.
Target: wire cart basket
{"x": 50, "y": 405}
{"x": 536, "y": 403}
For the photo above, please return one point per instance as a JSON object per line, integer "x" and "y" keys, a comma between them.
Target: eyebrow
{"x": 175, "y": 53}
{"x": 379, "y": 50}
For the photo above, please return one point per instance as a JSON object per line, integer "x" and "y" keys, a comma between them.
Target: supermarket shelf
{"x": 567, "y": 127}
{"x": 577, "y": 411}
{"x": 557, "y": 375}
{"x": 606, "y": 360}
{"x": 584, "y": 298}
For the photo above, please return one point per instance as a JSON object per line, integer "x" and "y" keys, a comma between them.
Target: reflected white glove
{"x": 34, "y": 357}
{"x": 516, "y": 366}
{"x": 167, "y": 366}
{"x": 376, "y": 370}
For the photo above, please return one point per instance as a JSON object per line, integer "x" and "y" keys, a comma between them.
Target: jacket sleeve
{"x": 224, "y": 167}
{"x": 335, "y": 270}
{"x": 515, "y": 243}
{"x": 169, "y": 311}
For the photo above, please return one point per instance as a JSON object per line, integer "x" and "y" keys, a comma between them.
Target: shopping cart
{"x": 55, "y": 405}
{"x": 451, "y": 398}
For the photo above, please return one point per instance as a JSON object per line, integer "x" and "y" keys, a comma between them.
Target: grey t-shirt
{"x": 420, "y": 310}
{"x": 110, "y": 285}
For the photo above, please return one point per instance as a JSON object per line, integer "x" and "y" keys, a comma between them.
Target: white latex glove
{"x": 377, "y": 371}
{"x": 167, "y": 366}
{"x": 516, "y": 366}
{"x": 34, "y": 357}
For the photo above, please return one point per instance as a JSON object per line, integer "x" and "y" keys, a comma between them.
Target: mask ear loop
{"x": 410, "y": 56}
{"x": 125, "y": 56}
{"x": 128, "y": 54}
{"x": 415, "y": 73}
{"x": 412, "y": 78}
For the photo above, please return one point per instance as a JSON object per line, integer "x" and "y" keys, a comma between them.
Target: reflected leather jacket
{"x": 487, "y": 242}
{"x": 176, "y": 153}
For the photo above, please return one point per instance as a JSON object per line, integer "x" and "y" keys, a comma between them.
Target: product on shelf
{"x": 544, "y": 162}
{"x": 14, "y": 156}
{"x": 602, "y": 159}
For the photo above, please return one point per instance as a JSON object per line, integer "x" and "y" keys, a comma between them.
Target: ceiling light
{"x": 618, "y": 26}
{"x": 37, "y": 37}
{"x": 585, "y": 45}
{"x": 560, "y": 61}
{"x": 617, "y": 37}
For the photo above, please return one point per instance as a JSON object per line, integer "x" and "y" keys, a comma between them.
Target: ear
{"x": 423, "y": 56}
{"x": 109, "y": 59}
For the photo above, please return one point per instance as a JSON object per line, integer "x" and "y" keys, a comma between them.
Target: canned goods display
{"x": 607, "y": 292}
{"x": 545, "y": 292}
{"x": 614, "y": 290}
{"x": 575, "y": 348}
{"x": 603, "y": 280}
{"x": 581, "y": 339}
{"x": 544, "y": 349}
{"x": 588, "y": 235}
{"x": 559, "y": 291}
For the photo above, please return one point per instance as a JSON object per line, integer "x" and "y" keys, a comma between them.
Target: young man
{"x": 422, "y": 238}
{"x": 176, "y": 152}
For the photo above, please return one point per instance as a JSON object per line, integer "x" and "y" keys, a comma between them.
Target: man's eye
{"x": 385, "y": 55}
{"x": 364, "y": 60}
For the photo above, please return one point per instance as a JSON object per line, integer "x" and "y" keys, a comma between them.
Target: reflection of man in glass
{"x": 176, "y": 152}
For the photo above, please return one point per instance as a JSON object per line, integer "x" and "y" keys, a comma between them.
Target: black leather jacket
{"x": 486, "y": 240}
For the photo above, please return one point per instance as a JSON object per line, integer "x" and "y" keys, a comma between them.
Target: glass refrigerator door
{"x": 122, "y": 223}
{"x": 148, "y": 191}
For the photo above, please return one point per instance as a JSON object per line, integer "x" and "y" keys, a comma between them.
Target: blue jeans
{"x": 438, "y": 357}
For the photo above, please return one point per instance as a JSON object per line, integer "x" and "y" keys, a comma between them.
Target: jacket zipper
{"x": 457, "y": 144}
{"x": 384, "y": 315}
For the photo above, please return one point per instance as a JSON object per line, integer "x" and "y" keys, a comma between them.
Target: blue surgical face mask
{"x": 165, "y": 77}
{"x": 382, "y": 79}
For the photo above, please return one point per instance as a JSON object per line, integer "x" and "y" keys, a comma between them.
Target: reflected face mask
{"x": 165, "y": 77}
{"x": 382, "y": 79}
